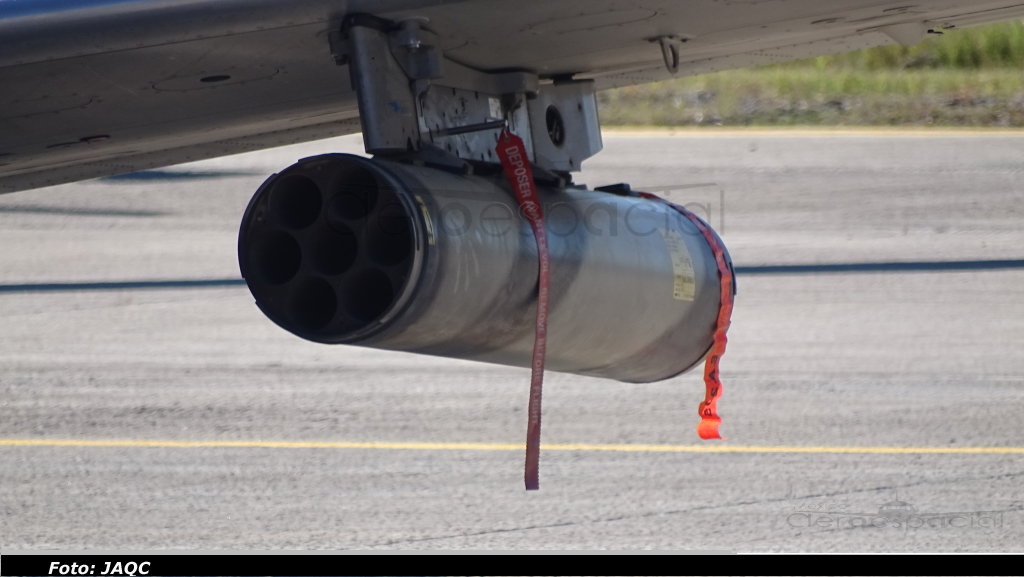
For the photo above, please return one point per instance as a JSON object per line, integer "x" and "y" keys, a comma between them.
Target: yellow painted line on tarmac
{"x": 806, "y": 132}
{"x": 710, "y": 448}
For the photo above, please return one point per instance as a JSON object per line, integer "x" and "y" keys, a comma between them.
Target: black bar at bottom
{"x": 283, "y": 563}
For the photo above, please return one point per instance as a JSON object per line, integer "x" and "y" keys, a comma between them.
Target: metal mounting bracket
{"x": 413, "y": 101}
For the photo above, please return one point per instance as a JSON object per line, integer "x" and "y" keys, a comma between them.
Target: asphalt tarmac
{"x": 880, "y": 361}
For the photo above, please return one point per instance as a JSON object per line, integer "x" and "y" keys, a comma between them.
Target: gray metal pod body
{"x": 344, "y": 249}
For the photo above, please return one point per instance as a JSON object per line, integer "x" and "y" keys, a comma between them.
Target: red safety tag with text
{"x": 512, "y": 153}
{"x": 708, "y": 410}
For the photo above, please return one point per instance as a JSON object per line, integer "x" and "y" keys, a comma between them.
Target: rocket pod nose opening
{"x": 328, "y": 246}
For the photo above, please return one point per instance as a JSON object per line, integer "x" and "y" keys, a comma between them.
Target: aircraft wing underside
{"x": 92, "y": 88}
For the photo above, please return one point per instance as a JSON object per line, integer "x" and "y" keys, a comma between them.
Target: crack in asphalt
{"x": 712, "y": 507}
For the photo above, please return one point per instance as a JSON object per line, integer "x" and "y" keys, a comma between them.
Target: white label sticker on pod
{"x": 684, "y": 285}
